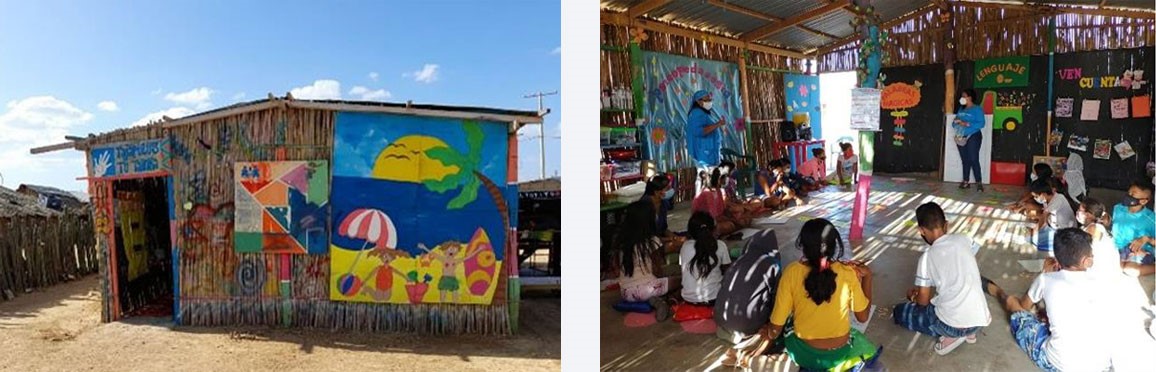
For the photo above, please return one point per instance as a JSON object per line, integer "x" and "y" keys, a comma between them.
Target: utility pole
{"x": 542, "y": 127}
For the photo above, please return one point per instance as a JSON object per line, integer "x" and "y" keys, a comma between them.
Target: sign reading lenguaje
{"x": 1001, "y": 72}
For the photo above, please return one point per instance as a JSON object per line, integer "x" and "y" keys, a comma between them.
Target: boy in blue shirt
{"x": 1134, "y": 228}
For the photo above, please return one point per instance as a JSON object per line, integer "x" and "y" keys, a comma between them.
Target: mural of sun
{"x": 405, "y": 160}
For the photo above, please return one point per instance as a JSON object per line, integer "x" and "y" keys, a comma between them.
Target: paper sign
{"x": 1078, "y": 143}
{"x": 1120, "y": 108}
{"x": 1141, "y": 106}
{"x": 1064, "y": 107}
{"x": 1103, "y": 149}
{"x": 865, "y": 109}
{"x": 1090, "y": 110}
{"x": 1125, "y": 150}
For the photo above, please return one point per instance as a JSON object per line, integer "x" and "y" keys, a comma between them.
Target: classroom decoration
{"x": 1124, "y": 149}
{"x": 1055, "y": 137}
{"x": 1090, "y": 110}
{"x": 1001, "y": 72}
{"x": 868, "y": 16}
{"x": 1064, "y": 107}
{"x": 669, "y": 82}
{"x": 1006, "y": 116}
{"x": 1078, "y": 143}
{"x": 905, "y": 107}
{"x": 419, "y": 210}
{"x": 1119, "y": 108}
{"x": 130, "y": 158}
{"x": 1142, "y": 106}
{"x": 1059, "y": 164}
{"x": 802, "y": 97}
{"x": 1103, "y": 149}
{"x": 281, "y": 207}
{"x": 898, "y": 97}
{"x": 865, "y": 104}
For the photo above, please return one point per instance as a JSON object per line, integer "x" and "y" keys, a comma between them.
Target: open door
{"x": 143, "y": 247}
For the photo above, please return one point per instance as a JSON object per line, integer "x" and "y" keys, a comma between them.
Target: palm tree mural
{"x": 468, "y": 175}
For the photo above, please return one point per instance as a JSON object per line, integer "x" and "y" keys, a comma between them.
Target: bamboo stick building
{"x": 329, "y": 214}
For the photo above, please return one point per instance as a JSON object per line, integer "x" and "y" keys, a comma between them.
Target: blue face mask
{"x": 669, "y": 193}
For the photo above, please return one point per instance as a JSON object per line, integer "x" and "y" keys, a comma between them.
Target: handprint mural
{"x": 125, "y": 158}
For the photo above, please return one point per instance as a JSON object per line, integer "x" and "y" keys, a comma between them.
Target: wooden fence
{"x": 37, "y": 252}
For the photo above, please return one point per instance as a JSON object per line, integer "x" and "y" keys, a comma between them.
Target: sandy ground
{"x": 59, "y": 329}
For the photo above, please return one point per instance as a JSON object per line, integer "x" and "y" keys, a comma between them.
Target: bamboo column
{"x": 870, "y": 34}
{"x": 1051, "y": 77}
{"x": 947, "y": 19}
{"x": 745, "y": 99}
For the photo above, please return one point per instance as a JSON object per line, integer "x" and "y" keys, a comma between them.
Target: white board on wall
{"x": 952, "y": 166}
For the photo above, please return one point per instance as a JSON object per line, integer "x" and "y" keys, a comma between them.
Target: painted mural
{"x": 128, "y": 158}
{"x": 802, "y": 102}
{"x": 130, "y": 212}
{"x": 281, "y": 207}
{"x": 419, "y": 212}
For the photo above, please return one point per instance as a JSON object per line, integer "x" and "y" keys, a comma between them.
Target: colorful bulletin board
{"x": 420, "y": 209}
{"x": 130, "y": 158}
{"x": 909, "y": 118}
{"x": 1103, "y": 109}
{"x": 803, "y": 105}
{"x": 1017, "y": 110}
{"x": 281, "y": 207}
{"x": 670, "y": 81}
{"x": 1002, "y": 72}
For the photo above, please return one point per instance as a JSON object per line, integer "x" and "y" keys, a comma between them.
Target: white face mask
{"x": 707, "y": 105}
{"x": 962, "y": 101}
{"x": 1080, "y": 219}
{"x": 668, "y": 194}
{"x": 1034, "y": 177}
{"x": 1041, "y": 200}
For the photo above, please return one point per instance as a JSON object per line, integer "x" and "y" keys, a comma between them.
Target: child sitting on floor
{"x": 1057, "y": 214}
{"x": 847, "y": 165}
{"x": 814, "y": 170}
{"x": 703, "y": 261}
{"x": 1026, "y": 204}
{"x": 712, "y": 201}
{"x": 1094, "y": 219}
{"x": 819, "y": 294}
{"x": 958, "y": 309}
{"x": 636, "y": 253}
{"x": 773, "y": 186}
{"x": 660, "y": 192}
{"x": 1134, "y": 229}
{"x": 743, "y": 306}
{"x": 737, "y": 204}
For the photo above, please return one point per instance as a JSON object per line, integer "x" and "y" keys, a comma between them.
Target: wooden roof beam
{"x": 886, "y": 25}
{"x": 765, "y": 17}
{"x": 771, "y": 29}
{"x": 1055, "y": 9}
{"x": 637, "y": 10}
{"x": 620, "y": 19}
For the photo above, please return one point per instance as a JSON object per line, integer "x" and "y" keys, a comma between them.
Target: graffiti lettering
{"x": 130, "y": 158}
{"x": 206, "y": 225}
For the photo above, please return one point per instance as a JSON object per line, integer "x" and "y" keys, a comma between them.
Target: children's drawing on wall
{"x": 1004, "y": 111}
{"x": 416, "y": 202}
{"x": 1090, "y": 110}
{"x": 1124, "y": 149}
{"x": 1064, "y": 107}
{"x": 1142, "y": 106}
{"x": 1056, "y": 137}
{"x": 1131, "y": 79}
{"x": 1078, "y": 143}
{"x": 1119, "y": 108}
{"x": 898, "y": 97}
{"x": 281, "y": 207}
{"x": 1103, "y": 149}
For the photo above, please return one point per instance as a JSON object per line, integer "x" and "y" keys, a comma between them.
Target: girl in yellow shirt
{"x": 819, "y": 294}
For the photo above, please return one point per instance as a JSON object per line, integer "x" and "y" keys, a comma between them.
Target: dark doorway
{"x": 143, "y": 247}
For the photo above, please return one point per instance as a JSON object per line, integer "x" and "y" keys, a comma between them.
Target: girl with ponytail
{"x": 703, "y": 261}
{"x": 818, "y": 294}
{"x": 1094, "y": 218}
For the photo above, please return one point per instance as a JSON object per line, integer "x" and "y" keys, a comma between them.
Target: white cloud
{"x": 34, "y": 122}
{"x": 320, "y": 89}
{"x": 172, "y": 113}
{"x": 556, "y": 51}
{"x": 373, "y": 76}
{"x": 107, "y": 106}
{"x": 198, "y": 97}
{"x": 366, "y": 94}
{"x": 239, "y": 96}
{"x": 427, "y": 74}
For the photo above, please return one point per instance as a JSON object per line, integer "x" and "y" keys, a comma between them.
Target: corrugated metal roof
{"x": 1138, "y": 4}
{"x": 835, "y": 23}
{"x": 701, "y": 15}
{"x": 796, "y": 38}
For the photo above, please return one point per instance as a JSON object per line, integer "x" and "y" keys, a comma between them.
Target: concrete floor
{"x": 891, "y": 246}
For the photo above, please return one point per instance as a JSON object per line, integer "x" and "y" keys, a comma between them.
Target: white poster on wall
{"x": 865, "y": 109}
{"x": 952, "y": 166}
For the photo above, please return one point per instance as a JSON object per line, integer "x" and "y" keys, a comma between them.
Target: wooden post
{"x": 948, "y": 44}
{"x": 1051, "y": 77}
{"x": 745, "y": 101}
{"x": 870, "y": 32}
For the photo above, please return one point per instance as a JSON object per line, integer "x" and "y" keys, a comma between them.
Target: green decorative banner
{"x": 1001, "y": 72}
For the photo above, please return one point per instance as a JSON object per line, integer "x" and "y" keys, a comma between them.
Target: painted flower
{"x": 658, "y": 135}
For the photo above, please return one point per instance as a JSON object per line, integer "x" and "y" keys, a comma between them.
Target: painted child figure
{"x": 383, "y": 275}
{"x": 848, "y": 165}
{"x": 449, "y": 282}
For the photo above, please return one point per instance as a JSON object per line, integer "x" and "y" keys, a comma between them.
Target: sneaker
{"x": 661, "y": 308}
{"x": 944, "y": 349}
{"x": 970, "y": 338}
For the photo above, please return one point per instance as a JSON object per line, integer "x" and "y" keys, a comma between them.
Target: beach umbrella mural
{"x": 373, "y": 226}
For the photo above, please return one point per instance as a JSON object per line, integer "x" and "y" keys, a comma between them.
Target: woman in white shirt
{"x": 703, "y": 261}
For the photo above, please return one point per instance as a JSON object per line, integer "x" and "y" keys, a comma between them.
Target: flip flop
{"x": 986, "y": 284}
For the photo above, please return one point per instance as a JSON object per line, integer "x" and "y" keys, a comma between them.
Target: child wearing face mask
{"x": 1134, "y": 226}
{"x": 1093, "y": 218}
{"x": 660, "y": 192}
{"x": 1057, "y": 214}
{"x": 814, "y": 171}
{"x": 1027, "y": 204}
{"x": 847, "y": 165}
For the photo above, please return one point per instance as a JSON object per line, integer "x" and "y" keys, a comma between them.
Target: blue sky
{"x": 84, "y": 67}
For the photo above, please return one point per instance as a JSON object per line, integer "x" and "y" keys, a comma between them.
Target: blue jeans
{"x": 1030, "y": 335}
{"x": 1043, "y": 239}
{"x": 922, "y": 319}
{"x": 969, "y": 155}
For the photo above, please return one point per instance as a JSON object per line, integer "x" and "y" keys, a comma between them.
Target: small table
{"x": 797, "y": 152}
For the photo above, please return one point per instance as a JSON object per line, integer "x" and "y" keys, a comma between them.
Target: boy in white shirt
{"x": 1077, "y": 333}
{"x": 1058, "y": 214}
{"x": 958, "y": 309}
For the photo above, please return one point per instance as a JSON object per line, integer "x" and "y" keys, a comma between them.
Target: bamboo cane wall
{"x": 38, "y": 252}
{"x": 764, "y": 81}
{"x": 984, "y": 32}
{"x": 202, "y": 157}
